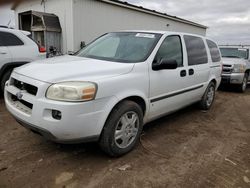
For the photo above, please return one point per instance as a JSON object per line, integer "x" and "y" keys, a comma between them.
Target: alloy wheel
{"x": 126, "y": 129}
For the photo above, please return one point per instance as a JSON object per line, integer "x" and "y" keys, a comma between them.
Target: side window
{"x": 214, "y": 51}
{"x": 196, "y": 50}
{"x": 171, "y": 49}
{"x": 9, "y": 39}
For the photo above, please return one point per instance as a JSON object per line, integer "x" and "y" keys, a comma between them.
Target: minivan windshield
{"x": 234, "y": 52}
{"x": 125, "y": 47}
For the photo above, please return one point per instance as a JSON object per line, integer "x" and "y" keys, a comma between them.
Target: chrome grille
{"x": 227, "y": 69}
{"x": 24, "y": 86}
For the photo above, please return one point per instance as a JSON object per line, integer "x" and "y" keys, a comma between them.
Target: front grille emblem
{"x": 19, "y": 95}
{"x": 22, "y": 86}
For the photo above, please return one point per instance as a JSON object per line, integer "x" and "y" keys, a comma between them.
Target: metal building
{"x": 84, "y": 20}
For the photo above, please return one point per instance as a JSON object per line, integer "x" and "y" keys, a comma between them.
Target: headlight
{"x": 238, "y": 68}
{"x": 72, "y": 91}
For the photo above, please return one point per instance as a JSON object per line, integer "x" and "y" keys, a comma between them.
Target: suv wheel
{"x": 208, "y": 97}
{"x": 122, "y": 130}
{"x": 4, "y": 79}
{"x": 243, "y": 86}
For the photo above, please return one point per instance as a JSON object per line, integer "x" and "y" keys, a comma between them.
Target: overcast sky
{"x": 228, "y": 20}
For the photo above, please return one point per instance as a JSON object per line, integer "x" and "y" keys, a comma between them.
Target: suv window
{"x": 196, "y": 50}
{"x": 9, "y": 39}
{"x": 214, "y": 51}
{"x": 171, "y": 49}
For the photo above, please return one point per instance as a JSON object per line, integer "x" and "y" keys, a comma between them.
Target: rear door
{"x": 216, "y": 62}
{"x": 5, "y": 55}
{"x": 198, "y": 66}
{"x": 16, "y": 47}
{"x": 20, "y": 51}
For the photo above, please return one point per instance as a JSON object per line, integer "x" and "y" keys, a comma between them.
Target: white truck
{"x": 236, "y": 66}
{"x": 112, "y": 87}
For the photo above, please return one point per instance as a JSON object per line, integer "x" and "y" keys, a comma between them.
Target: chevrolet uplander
{"x": 112, "y": 87}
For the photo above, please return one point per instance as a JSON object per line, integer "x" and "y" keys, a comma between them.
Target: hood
{"x": 233, "y": 61}
{"x": 73, "y": 68}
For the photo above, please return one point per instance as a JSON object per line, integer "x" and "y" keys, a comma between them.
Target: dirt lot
{"x": 190, "y": 148}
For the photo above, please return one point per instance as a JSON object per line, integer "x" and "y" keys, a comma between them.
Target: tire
{"x": 242, "y": 88}
{"x": 120, "y": 135}
{"x": 4, "y": 79}
{"x": 208, "y": 97}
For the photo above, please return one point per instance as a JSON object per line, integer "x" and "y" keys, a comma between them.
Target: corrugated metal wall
{"x": 84, "y": 20}
{"x": 93, "y": 18}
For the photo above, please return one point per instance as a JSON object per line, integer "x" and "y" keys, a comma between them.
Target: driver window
{"x": 171, "y": 49}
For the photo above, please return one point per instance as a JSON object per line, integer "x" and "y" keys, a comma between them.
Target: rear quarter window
{"x": 9, "y": 39}
{"x": 214, "y": 51}
{"x": 196, "y": 50}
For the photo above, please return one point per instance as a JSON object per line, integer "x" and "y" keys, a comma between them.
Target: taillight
{"x": 42, "y": 49}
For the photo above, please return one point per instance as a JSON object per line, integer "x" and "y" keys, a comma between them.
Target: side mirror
{"x": 165, "y": 64}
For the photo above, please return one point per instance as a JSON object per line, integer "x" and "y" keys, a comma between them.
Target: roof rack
{"x": 236, "y": 45}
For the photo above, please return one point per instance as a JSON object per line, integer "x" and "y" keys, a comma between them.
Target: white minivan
{"x": 115, "y": 85}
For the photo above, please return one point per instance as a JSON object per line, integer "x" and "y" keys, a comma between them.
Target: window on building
{"x": 196, "y": 50}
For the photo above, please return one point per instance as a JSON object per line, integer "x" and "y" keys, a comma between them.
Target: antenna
{"x": 9, "y": 23}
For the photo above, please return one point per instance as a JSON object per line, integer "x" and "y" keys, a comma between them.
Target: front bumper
{"x": 233, "y": 78}
{"x": 80, "y": 122}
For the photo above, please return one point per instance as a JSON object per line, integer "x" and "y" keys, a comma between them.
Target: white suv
{"x": 112, "y": 87}
{"x": 16, "y": 49}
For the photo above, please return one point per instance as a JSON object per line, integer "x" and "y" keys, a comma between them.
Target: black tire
{"x": 4, "y": 79}
{"x": 206, "y": 102}
{"x": 242, "y": 88}
{"x": 107, "y": 141}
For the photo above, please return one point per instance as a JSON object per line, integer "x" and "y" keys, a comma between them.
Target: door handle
{"x": 191, "y": 72}
{"x": 3, "y": 53}
{"x": 183, "y": 73}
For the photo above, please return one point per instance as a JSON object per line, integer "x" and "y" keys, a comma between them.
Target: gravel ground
{"x": 190, "y": 148}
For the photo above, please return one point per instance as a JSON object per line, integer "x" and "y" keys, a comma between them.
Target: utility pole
{"x": 43, "y": 2}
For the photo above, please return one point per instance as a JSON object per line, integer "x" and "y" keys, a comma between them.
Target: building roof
{"x": 152, "y": 12}
{"x": 140, "y": 9}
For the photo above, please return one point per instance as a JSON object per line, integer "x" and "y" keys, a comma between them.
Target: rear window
{"x": 9, "y": 39}
{"x": 196, "y": 50}
{"x": 214, "y": 51}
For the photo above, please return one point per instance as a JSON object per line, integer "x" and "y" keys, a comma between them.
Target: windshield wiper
{"x": 231, "y": 56}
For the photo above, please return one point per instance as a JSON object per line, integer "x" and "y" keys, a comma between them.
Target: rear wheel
{"x": 208, "y": 97}
{"x": 4, "y": 79}
{"x": 243, "y": 86}
{"x": 122, "y": 130}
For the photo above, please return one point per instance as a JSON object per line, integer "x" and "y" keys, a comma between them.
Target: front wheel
{"x": 208, "y": 97}
{"x": 243, "y": 86}
{"x": 122, "y": 130}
